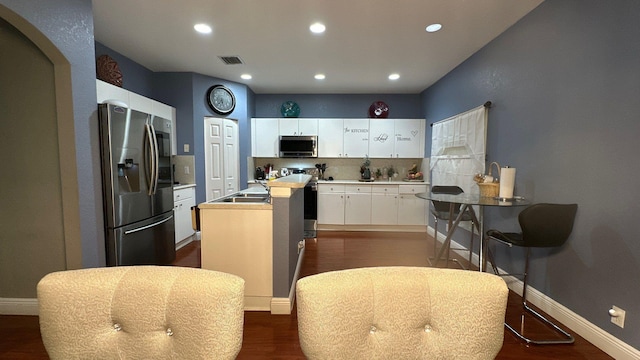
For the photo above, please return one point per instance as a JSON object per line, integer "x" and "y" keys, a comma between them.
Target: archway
{"x": 39, "y": 216}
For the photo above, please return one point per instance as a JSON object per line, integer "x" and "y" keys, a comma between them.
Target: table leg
{"x": 482, "y": 251}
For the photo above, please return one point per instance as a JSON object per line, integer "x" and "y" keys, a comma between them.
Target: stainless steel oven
{"x": 310, "y": 202}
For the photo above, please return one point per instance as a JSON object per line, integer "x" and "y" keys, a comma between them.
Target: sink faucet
{"x": 264, "y": 185}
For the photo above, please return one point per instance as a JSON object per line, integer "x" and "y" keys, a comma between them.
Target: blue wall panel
{"x": 565, "y": 115}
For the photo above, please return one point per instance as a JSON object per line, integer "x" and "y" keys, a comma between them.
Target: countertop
{"x": 377, "y": 182}
{"x": 295, "y": 181}
{"x": 183, "y": 186}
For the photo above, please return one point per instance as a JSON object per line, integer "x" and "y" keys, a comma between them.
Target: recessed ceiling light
{"x": 433, "y": 27}
{"x": 394, "y": 76}
{"x": 246, "y": 76}
{"x": 319, "y": 76}
{"x": 202, "y": 28}
{"x": 317, "y": 28}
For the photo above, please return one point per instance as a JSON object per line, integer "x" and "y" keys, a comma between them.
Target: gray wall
{"x": 135, "y": 77}
{"x": 339, "y": 105}
{"x": 565, "y": 83}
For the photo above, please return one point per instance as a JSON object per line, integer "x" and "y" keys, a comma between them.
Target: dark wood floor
{"x": 269, "y": 336}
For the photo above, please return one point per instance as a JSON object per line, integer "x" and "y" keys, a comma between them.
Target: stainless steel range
{"x": 310, "y": 202}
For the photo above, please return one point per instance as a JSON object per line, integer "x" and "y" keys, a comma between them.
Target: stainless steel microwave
{"x": 298, "y": 146}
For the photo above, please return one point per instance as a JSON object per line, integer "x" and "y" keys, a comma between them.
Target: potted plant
{"x": 365, "y": 173}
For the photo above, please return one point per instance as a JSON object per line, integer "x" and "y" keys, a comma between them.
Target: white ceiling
{"x": 365, "y": 40}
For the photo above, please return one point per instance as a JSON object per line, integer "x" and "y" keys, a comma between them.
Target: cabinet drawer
{"x": 390, "y": 189}
{"x": 355, "y": 189}
{"x": 330, "y": 188}
{"x": 183, "y": 194}
{"x": 412, "y": 189}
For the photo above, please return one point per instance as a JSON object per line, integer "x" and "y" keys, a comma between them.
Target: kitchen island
{"x": 261, "y": 241}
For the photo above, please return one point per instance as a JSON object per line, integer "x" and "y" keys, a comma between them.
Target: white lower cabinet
{"x": 331, "y": 204}
{"x": 412, "y": 210}
{"x": 183, "y": 200}
{"x": 384, "y": 205}
{"x": 378, "y": 204}
{"x": 357, "y": 205}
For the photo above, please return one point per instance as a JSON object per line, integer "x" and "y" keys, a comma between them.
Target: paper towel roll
{"x": 507, "y": 182}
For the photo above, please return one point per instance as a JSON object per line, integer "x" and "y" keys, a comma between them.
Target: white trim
{"x": 601, "y": 339}
{"x": 284, "y": 306}
{"x": 281, "y": 306}
{"x": 16, "y": 306}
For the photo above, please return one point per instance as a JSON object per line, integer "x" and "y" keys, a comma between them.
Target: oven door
{"x": 310, "y": 206}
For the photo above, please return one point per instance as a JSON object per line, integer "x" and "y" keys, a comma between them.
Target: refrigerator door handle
{"x": 148, "y": 226}
{"x": 156, "y": 158}
{"x": 151, "y": 159}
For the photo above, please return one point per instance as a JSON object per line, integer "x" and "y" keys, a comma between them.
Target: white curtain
{"x": 458, "y": 149}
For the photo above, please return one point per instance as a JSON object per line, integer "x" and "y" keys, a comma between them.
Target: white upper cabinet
{"x": 264, "y": 137}
{"x": 140, "y": 103}
{"x": 344, "y": 138}
{"x": 381, "y": 138}
{"x": 330, "y": 138}
{"x": 356, "y": 138}
{"x": 396, "y": 138}
{"x": 409, "y": 138}
{"x": 107, "y": 93}
{"x": 297, "y": 126}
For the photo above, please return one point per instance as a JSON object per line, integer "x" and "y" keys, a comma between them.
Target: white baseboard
{"x": 284, "y": 306}
{"x": 9, "y": 306}
{"x": 601, "y": 339}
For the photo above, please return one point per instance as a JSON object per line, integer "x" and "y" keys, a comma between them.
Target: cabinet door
{"x": 384, "y": 209}
{"x": 356, "y": 138}
{"x": 184, "y": 199}
{"x": 288, "y": 126}
{"x": 110, "y": 93}
{"x": 357, "y": 209}
{"x": 307, "y": 127}
{"x": 265, "y": 136}
{"x": 330, "y": 139}
{"x": 409, "y": 138}
{"x": 411, "y": 210}
{"x": 381, "y": 138}
{"x": 182, "y": 215}
{"x": 140, "y": 103}
{"x": 331, "y": 208}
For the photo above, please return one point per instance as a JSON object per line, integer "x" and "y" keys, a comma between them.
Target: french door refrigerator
{"x": 137, "y": 181}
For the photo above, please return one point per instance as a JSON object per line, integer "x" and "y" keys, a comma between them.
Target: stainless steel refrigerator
{"x": 137, "y": 180}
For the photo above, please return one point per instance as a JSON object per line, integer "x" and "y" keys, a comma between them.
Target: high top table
{"x": 467, "y": 201}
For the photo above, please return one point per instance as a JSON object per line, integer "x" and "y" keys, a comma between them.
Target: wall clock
{"x": 221, "y": 99}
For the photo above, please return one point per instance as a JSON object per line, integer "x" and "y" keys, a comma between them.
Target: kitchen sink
{"x": 261, "y": 195}
{"x": 247, "y": 198}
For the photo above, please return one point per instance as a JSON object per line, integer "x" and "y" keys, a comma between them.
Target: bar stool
{"x": 543, "y": 225}
{"x": 441, "y": 211}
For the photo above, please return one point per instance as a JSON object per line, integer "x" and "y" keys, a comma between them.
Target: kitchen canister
{"x": 507, "y": 182}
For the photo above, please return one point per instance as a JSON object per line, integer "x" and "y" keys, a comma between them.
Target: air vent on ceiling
{"x": 231, "y": 60}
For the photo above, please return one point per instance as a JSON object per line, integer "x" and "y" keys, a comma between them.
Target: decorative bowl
{"x": 290, "y": 109}
{"x": 379, "y": 110}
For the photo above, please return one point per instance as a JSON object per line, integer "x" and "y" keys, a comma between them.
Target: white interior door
{"x": 221, "y": 153}
{"x": 231, "y": 155}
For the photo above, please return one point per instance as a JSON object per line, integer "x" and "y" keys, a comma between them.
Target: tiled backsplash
{"x": 344, "y": 169}
{"x": 185, "y": 169}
